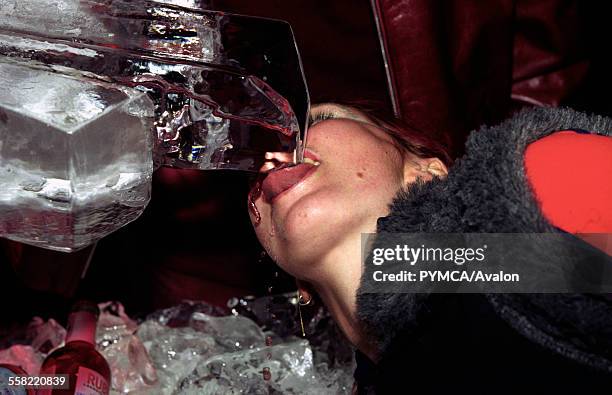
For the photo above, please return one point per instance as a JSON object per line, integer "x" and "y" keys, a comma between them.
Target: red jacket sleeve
{"x": 571, "y": 176}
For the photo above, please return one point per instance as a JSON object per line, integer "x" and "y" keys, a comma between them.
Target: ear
{"x": 435, "y": 167}
{"x": 423, "y": 168}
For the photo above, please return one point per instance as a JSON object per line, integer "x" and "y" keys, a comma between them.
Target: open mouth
{"x": 285, "y": 177}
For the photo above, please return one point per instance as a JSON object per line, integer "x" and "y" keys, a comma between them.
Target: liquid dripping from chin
{"x": 254, "y": 194}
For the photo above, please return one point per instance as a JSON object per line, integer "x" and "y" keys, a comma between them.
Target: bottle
{"x": 89, "y": 373}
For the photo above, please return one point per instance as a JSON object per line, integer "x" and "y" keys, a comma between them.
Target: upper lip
{"x": 311, "y": 155}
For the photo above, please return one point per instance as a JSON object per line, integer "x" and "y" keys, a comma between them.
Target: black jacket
{"x": 487, "y": 343}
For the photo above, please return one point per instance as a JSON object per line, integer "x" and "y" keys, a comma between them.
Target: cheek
{"x": 311, "y": 228}
{"x": 321, "y": 219}
{"x": 370, "y": 181}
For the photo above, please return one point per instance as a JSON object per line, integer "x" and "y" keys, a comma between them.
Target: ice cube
{"x": 44, "y": 336}
{"x": 75, "y": 157}
{"x": 234, "y": 333}
{"x": 174, "y": 351}
{"x": 180, "y": 315}
{"x": 131, "y": 367}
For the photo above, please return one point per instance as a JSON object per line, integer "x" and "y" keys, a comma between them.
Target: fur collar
{"x": 487, "y": 191}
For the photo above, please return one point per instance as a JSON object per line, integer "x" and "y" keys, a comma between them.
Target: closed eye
{"x": 320, "y": 116}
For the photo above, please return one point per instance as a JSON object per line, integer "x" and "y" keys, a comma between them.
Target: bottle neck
{"x": 82, "y": 326}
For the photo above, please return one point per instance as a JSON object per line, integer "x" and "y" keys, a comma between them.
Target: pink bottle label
{"x": 90, "y": 382}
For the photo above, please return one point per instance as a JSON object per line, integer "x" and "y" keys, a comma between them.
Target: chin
{"x": 309, "y": 230}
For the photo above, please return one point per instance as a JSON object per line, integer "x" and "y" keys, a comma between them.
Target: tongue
{"x": 281, "y": 180}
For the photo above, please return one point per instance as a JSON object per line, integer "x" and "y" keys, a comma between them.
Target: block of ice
{"x": 51, "y": 17}
{"x": 75, "y": 157}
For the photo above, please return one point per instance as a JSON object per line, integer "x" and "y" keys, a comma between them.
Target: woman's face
{"x": 308, "y": 212}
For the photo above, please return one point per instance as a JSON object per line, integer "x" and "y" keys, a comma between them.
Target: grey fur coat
{"x": 487, "y": 343}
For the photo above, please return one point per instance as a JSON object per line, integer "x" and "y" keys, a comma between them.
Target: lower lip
{"x": 278, "y": 196}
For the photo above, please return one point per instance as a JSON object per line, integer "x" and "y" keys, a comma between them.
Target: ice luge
{"x": 226, "y": 88}
{"x": 222, "y": 90}
{"x": 75, "y": 157}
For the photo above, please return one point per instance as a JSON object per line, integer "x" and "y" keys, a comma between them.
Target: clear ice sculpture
{"x": 99, "y": 93}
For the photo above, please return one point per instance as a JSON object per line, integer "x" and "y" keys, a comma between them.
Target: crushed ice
{"x": 194, "y": 348}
